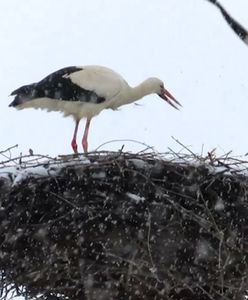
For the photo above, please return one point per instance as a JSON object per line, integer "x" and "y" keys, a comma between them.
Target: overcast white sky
{"x": 186, "y": 43}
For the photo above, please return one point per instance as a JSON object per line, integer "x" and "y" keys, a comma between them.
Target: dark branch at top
{"x": 236, "y": 26}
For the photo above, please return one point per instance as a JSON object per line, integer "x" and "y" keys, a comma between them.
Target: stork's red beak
{"x": 166, "y": 95}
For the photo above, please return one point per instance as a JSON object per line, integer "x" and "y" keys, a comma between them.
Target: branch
{"x": 236, "y": 26}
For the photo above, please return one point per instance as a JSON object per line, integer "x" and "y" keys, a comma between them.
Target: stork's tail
{"x": 22, "y": 95}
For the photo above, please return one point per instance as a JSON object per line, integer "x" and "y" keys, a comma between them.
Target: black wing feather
{"x": 57, "y": 86}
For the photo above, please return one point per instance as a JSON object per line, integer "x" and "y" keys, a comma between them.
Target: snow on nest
{"x": 138, "y": 163}
{"x": 36, "y": 166}
{"x": 225, "y": 164}
{"x": 16, "y": 170}
{"x": 219, "y": 205}
{"x": 134, "y": 197}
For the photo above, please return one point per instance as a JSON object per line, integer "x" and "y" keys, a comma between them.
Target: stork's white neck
{"x": 145, "y": 88}
{"x": 130, "y": 94}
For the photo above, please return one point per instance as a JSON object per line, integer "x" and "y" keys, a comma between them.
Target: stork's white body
{"x": 83, "y": 92}
{"x": 103, "y": 81}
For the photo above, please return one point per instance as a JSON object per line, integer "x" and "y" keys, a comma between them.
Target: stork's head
{"x": 157, "y": 86}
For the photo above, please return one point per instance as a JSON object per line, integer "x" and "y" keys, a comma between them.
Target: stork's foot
{"x": 74, "y": 146}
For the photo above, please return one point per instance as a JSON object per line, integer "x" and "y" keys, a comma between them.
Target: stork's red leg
{"x": 85, "y": 137}
{"x": 74, "y": 139}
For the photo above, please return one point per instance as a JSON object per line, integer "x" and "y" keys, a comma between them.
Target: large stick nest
{"x": 125, "y": 226}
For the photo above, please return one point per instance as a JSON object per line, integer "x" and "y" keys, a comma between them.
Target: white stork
{"x": 83, "y": 92}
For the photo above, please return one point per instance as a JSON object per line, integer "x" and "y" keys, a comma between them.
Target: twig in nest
{"x": 21, "y": 158}
{"x": 153, "y": 269}
{"x": 178, "y": 155}
{"x": 186, "y": 148}
{"x": 211, "y": 156}
{"x": 125, "y": 140}
{"x": 65, "y": 200}
{"x": 8, "y": 150}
